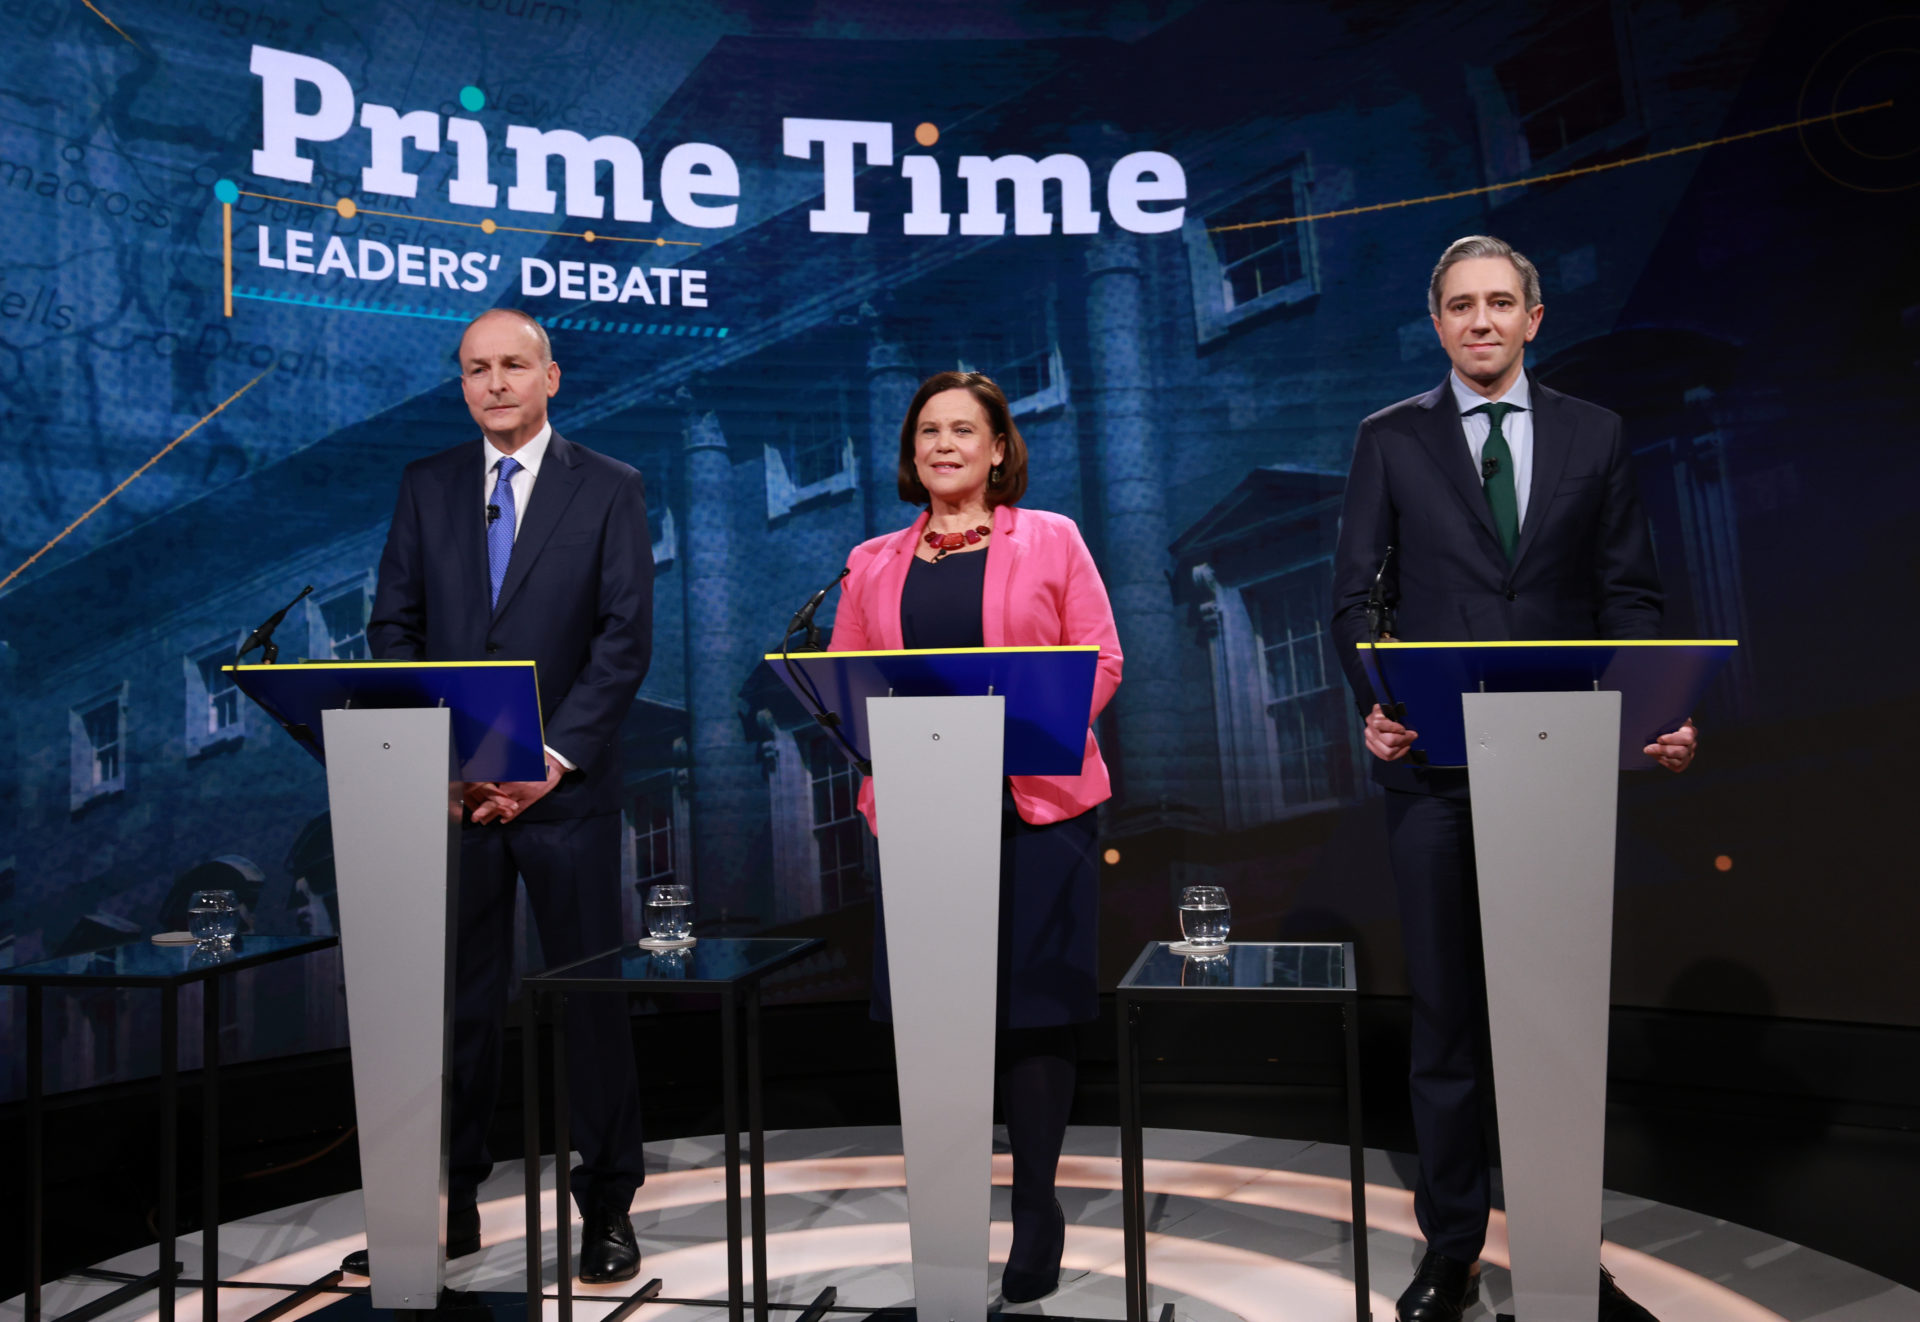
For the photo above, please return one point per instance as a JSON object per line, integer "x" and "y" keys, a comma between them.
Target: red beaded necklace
{"x": 943, "y": 542}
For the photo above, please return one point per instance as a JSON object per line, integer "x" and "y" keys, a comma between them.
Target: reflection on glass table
{"x": 711, "y": 959}
{"x": 1246, "y": 966}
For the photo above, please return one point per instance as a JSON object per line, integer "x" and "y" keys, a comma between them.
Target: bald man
{"x": 520, "y": 545}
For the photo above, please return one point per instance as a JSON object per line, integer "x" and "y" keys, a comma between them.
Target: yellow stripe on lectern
{"x": 1566, "y": 642}
{"x": 934, "y": 651}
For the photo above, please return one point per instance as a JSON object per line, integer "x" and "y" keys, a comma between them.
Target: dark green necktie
{"x": 1496, "y": 468}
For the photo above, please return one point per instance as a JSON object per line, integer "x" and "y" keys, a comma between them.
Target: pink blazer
{"x": 1042, "y": 590}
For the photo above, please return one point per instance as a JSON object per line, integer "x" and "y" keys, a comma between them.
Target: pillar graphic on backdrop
{"x": 891, "y": 381}
{"x": 729, "y": 804}
{"x": 1132, "y": 501}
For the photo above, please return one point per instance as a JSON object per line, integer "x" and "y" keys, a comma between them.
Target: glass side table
{"x": 1271, "y": 973}
{"x": 166, "y": 969}
{"x": 729, "y": 967}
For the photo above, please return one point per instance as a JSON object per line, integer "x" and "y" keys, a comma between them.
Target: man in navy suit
{"x": 1512, "y": 514}
{"x": 520, "y": 545}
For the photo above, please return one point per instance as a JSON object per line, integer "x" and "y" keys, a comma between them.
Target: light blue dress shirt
{"x": 1516, "y": 427}
{"x": 529, "y": 457}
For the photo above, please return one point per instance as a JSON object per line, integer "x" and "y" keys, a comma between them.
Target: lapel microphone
{"x": 493, "y": 512}
{"x": 1488, "y": 467}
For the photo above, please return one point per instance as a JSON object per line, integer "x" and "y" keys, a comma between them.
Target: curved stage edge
{"x": 1239, "y": 1228}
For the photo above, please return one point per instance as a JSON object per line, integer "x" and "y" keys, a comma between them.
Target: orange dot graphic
{"x": 1723, "y": 863}
{"x": 346, "y": 207}
{"x": 1111, "y": 856}
{"x": 589, "y": 236}
{"x": 926, "y": 135}
{"x": 487, "y": 226}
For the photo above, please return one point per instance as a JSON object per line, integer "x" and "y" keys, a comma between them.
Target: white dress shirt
{"x": 1517, "y": 427}
{"x": 528, "y": 457}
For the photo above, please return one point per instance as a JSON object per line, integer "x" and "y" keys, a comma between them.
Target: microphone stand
{"x": 809, "y": 693}
{"x": 1380, "y": 625}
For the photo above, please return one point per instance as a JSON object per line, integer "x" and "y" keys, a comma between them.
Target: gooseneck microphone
{"x": 803, "y": 618}
{"x": 262, "y": 637}
{"x": 1379, "y": 626}
{"x": 1379, "y": 610}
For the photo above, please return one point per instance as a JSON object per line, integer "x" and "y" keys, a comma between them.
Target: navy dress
{"x": 1049, "y": 875}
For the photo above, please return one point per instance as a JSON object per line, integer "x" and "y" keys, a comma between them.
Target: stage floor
{"x": 1239, "y": 1227}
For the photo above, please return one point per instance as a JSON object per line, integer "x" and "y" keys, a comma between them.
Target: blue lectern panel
{"x": 1660, "y": 684}
{"x": 1049, "y": 693}
{"x": 497, "y": 731}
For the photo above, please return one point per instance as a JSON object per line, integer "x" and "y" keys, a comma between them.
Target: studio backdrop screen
{"x": 1190, "y": 240}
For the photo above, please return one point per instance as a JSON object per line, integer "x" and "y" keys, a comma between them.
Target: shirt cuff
{"x": 556, "y": 756}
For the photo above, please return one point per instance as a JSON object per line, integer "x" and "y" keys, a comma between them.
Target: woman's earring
{"x": 995, "y": 476}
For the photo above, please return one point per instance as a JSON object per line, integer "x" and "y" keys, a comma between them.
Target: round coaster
{"x": 1187, "y": 948}
{"x": 173, "y": 938}
{"x": 655, "y": 943}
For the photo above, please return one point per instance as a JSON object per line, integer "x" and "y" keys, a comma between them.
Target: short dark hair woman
{"x": 974, "y": 570}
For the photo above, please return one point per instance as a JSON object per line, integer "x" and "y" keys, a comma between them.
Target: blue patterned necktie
{"x": 500, "y": 530}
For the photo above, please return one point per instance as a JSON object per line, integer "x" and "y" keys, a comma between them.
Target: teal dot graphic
{"x": 227, "y": 191}
{"x": 472, "y": 98}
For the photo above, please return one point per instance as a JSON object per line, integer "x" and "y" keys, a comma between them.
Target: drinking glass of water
{"x": 1205, "y": 916}
{"x": 213, "y": 917}
{"x": 669, "y": 913}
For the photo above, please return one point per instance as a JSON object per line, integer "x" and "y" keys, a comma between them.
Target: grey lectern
{"x": 397, "y": 739}
{"x": 941, "y": 728}
{"x": 1544, "y": 730}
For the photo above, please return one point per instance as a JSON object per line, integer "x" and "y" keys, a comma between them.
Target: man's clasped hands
{"x": 502, "y": 801}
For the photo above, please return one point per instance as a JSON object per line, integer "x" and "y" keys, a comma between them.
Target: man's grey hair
{"x": 1483, "y": 245}
{"x": 539, "y": 331}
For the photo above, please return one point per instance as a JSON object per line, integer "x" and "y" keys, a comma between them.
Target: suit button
{"x": 1511, "y": 596}
{"x": 494, "y": 647}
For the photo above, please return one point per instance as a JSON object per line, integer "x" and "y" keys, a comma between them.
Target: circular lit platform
{"x": 1240, "y": 1228}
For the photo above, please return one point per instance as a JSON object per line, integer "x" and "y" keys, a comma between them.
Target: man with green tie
{"x": 1511, "y": 513}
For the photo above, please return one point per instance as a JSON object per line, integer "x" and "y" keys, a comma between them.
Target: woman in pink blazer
{"x": 974, "y": 570}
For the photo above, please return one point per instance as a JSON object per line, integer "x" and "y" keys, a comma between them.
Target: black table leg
{"x": 530, "y": 1139}
{"x": 730, "y": 1117}
{"x": 210, "y": 1150}
{"x": 1132, "y": 1163}
{"x": 757, "y": 1132}
{"x": 1356, "y": 1161}
{"x": 169, "y": 1140}
{"x": 562, "y": 1161}
{"x": 36, "y": 1169}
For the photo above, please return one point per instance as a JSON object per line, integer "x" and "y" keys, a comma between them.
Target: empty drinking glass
{"x": 213, "y": 916}
{"x": 1205, "y": 916}
{"x": 669, "y": 913}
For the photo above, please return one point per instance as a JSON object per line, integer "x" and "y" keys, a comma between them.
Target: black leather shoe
{"x": 608, "y": 1251}
{"x": 1615, "y": 1306}
{"x": 1441, "y": 1291}
{"x": 463, "y": 1238}
{"x": 1033, "y": 1268}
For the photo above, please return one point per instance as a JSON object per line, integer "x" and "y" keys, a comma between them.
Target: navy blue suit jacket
{"x": 577, "y": 599}
{"x": 1583, "y": 567}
